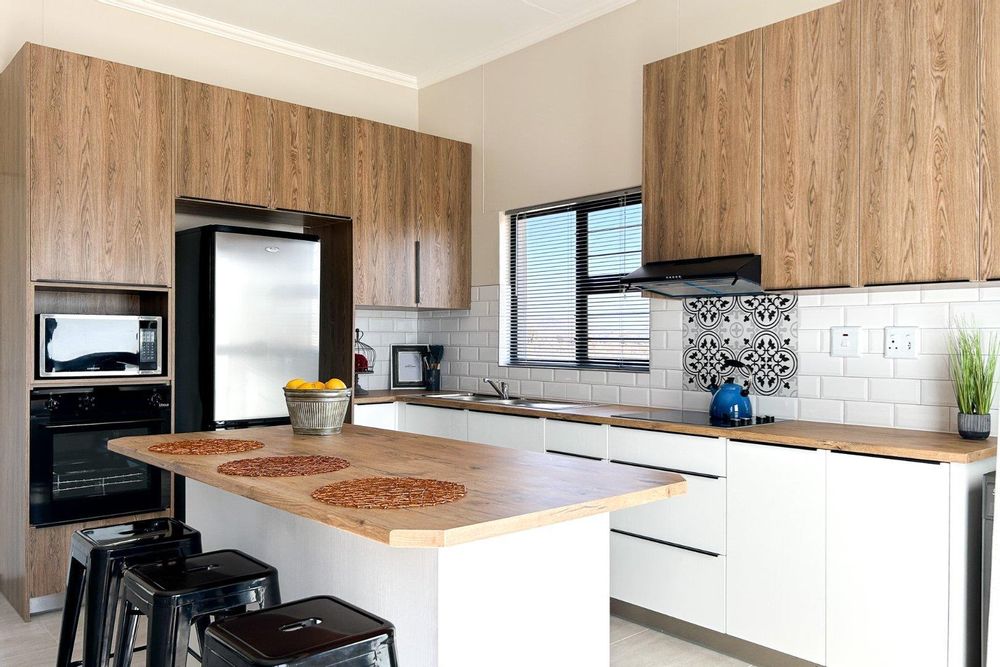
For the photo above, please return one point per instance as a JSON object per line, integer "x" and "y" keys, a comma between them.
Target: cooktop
{"x": 697, "y": 418}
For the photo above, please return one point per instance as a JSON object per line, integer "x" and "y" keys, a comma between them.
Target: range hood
{"x": 733, "y": 275}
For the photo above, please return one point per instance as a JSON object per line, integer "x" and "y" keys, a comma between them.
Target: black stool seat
{"x": 180, "y": 592}
{"x": 98, "y": 557}
{"x": 314, "y": 632}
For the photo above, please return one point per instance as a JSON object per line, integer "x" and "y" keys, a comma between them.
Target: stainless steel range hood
{"x": 733, "y": 275}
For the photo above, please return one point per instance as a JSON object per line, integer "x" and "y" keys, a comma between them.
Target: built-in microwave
{"x": 99, "y": 345}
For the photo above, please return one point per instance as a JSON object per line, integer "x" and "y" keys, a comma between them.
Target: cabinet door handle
{"x": 416, "y": 245}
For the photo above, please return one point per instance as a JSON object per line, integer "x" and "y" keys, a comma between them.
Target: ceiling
{"x": 411, "y": 42}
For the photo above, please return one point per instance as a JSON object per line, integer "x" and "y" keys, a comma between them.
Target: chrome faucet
{"x": 500, "y": 388}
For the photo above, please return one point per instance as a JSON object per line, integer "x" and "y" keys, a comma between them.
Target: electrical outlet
{"x": 901, "y": 342}
{"x": 844, "y": 341}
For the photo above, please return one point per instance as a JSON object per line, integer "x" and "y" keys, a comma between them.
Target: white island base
{"x": 535, "y": 597}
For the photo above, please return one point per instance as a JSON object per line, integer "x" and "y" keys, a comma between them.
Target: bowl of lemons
{"x": 317, "y": 408}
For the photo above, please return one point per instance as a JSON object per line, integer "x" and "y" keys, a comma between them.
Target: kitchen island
{"x": 516, "y": 572}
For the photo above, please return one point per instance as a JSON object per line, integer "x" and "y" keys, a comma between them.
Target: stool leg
{"x": 75, "y": 581}
{"x": 98, "y": 584}
{"x": 168, "y": 637}
{"x": 111, "y": 605}
{"x": 128, "y": 619}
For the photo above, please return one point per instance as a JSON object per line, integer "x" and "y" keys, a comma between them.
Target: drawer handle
{"x": 662, "y": 469}
{"x": 577, "y": 456}
{"x": 665, "y": 543}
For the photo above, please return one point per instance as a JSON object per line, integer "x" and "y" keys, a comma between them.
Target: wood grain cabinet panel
{"x": 100, "y": 189}
{"x": 702, "y": 151}
{"x": 810, "y": 150}
{"x": 919, "y": 141}
{"x": 385, "y": 225}
{"x": 989, "y": 144}
{"x": 312, "y": 156}
{"x": 444, "y": 221}
{"x": 224, "y": 144}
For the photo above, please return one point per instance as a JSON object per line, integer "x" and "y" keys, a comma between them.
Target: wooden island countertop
{"x": 508, "y": 490}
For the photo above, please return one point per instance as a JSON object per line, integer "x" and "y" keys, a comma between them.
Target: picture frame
{"x": 407, "y": 366}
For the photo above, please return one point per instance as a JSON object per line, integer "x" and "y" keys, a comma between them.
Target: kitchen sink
{"x": 534, "y": 403}
{"x": 493, "y": 399}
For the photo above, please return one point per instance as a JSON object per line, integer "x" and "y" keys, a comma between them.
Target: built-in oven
{"x": 73, "y": 475}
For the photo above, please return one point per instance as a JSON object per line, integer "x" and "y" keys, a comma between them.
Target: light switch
{"x": 844, "y": 341}
{"x": 901, "y": 342}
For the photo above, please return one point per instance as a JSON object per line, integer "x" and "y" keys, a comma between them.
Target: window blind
{"x": 565, "y": 306}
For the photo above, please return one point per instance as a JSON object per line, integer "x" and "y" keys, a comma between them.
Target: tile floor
{"x": 34, "y": 645}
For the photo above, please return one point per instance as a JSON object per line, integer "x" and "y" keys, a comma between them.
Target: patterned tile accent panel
{"x": 759, "y": 333}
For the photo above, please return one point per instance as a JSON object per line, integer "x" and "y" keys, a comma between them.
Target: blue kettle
{"x": 731, "y": 400}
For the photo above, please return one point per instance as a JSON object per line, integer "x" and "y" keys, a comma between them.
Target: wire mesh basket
{"x": 364, "y": 360}
{"x": 317, "y": 411}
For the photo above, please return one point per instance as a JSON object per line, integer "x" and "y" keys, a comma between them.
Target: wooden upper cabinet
{"x": 312, "y": 157}
{"x": 444, "y": 222}
{"x": 702, "y": 151}
{"x": 919, "y": 141}
{"x": 101, "y": 201}
{"x": 224, "y": 149}
{"x": 990, "y": 139}
{"x": 811, "y": 214}
{"x": 385, "y": 225}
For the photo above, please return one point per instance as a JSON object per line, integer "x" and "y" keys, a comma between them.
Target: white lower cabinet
{"x": 525, "y": 433}
{"x": 695, "y": 519}
{"x": 590, "y": 440}
{"x": 377, "y": 415}
{"x": 776, "y": 548}
{"x": 677, "y": 582}
{"x": 887, "y": 562}
{"x": 440, "y": 422}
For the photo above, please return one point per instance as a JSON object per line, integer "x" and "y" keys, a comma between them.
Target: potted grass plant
{"x": 973, "y": 373}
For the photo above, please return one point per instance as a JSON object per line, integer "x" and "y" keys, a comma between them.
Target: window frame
{"x": 584, "y": 284}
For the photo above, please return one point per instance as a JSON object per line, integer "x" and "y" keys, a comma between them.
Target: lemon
{"x": 335, "y": 383}
{"x": 316, "y": 385}
{"x": 295, "y": 384}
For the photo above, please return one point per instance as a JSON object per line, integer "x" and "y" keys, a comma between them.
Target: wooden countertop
{"x": 508, "y": 490}
{"x": 892, "y": 442}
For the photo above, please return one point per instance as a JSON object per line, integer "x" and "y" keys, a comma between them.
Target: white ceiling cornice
{"x": 286, "y": 47}
{"x": 523, "y": 41}
{"x": 261, "y": 40}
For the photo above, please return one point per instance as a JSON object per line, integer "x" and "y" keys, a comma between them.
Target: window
{"x": 564, "y": 305}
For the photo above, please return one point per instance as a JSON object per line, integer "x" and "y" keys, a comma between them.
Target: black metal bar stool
{"x": 98, "y": 557}
{"x": 314, "y": 632}
{"x": 176, "y": 593}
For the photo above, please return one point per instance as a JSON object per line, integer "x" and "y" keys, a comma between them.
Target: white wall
{"x": 563, "y": 118}
{"x": 96, "y": 29}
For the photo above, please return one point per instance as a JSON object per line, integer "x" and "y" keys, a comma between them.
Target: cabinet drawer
{"x": 684, "y": 453}
{"x": 440, "y": 422}
{"x": 377, "y": 415}
{"x": 506, "y": 431}
{"x": 677, "y": 582}
{"x": 579, "y": 439}
{"x": 694, "y": 519}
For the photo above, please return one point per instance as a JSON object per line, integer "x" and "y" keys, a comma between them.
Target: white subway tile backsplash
{"x": 923, "y": 417}
{"x": 820, "y": 318}
{"x": 894, "y": 391}
{"x": 821, "y": 410}
{"x": 604, "y": 393}
{"x": 869, "y": 317}
{"x": 844, "y": 388}
{"x": 869, "y": 414}
{"x": 922, "y": 315}
{"x": 869, "y": 390}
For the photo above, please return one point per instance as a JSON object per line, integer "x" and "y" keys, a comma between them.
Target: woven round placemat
{"x": 206, "y": 446}
{"x": 282, "y": 466}
{"x": 389, "y": 492}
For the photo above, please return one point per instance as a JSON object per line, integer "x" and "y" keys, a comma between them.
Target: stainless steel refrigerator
{"x": 247, "y": 311}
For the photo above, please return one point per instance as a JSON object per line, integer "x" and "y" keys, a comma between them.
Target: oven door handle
{"x": 130, "y": 422}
